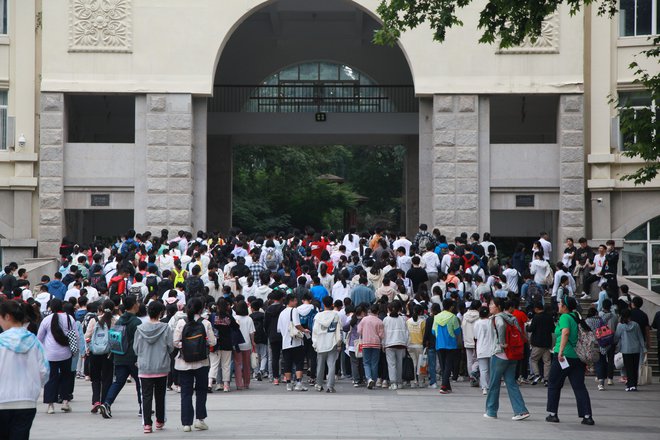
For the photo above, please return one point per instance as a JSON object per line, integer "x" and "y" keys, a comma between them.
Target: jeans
{"x": 541, "y": 353}
{"x": 193, "y": 380}
{"x": 448, "y": 364}
{"x": 631, "y": 362}
{"x": 101, "y": 370}
{"x": 601, "y": 368}
{"x": 433, "y": 370}
{"x": 371, "y": 357}
{"x": 395, "y": 364}
{"x": 262, "y": 351}
{"x": 575, "y": 374}
{"x": 329, "y": 358}
{"x": 503, "y": 368}
{"x": 153, "y": 387}
{"x": 58, "y": 381}
{"x": 357, "y": 368}
{"x": 121, "y": 375}
{"x": 484, "y": 372}
{"x": 242, "y": 368}
{"x": 15, "y": 424}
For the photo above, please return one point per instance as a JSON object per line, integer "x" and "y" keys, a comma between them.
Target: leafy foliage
{"x": 278, "y": 187}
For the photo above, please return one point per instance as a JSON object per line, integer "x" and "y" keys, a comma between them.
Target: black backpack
{"x": 193, "y": 286}
{"x": 98, "y": 282}
{"x": 194, "y": 347}
{"x": 152, "y": 284}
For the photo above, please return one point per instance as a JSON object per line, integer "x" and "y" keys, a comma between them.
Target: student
{"x": 484, "y": 339}
{"x": 630, "y": 341}
{"x": 24, "y": 371}
{"x": 293, "y": 352}
{"x": 470, "y": 318}
{"x": 541, "y": 328}
{"x": 260, "y": 337}
{"x": 101, "y": 368}
{"x": 372, "y": 332}
{"x": 503, "y": 367}
{"x": 242, "y": 356}
{"x": 271, "y": 319}
{"x": 395, "y": 343}
{"x": 153, "y": 345}
{"x": 446, "y": 329}
{"x": 193, "y": 375}
{"x": 416, "y": 330}
{"x": 326, "y": 341}
{"x": 221, "y": 354}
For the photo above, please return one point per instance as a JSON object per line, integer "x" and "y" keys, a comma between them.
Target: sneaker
{"x": 289, "y": 386}
{"x": 276, "y": 381}
{"x": 105, "y": 411}
{"x": 434, "y": 386}
{"x": 610, "y": 382}
{"x": 385, "y": 384}
{"x": 160, "y": 425}
{"x": 393, "y": 387}
{"x": 536, "y": 380}
{"x": 66, "y": 407}
{"x": 300, "y": 387}
{"x": 50, "y": 409}
{"x": 331, "y": 390}
{"x": 552, "y": 419}
{"x": 177, "y": 388}
{"x": 445, "y": 391}
{"x": 601, "y": 387}
{"x": 200, "y": 425}
{"x": 545, "y": 383}
{"x": 187, "y": 428}
{"x": 627, "y": 389}
{"x": 312, "y": 381}
{"x": 484, "y": 392}
{"x": 218, "y": 387}
{"x": 584, "y": 296}
{"x": 518, "y": 417}
{"x": 318, "y": 388}
{"x": 379, "y": 383}
{"x": 460, "y": 379}
{"x": 588, "y": 421}
{"x": 356, "y": 384}
{"x": 633, "y": 389}
{"x": 209, "y": 390}
{"x": 95, "y": 407}
{"x": 147, "y": 429}
{"x": 489, "y": 417}
{"x": 225, "y": 388}
{"x": 371, "y": 384}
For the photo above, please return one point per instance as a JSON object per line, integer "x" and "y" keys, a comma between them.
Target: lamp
{"x": 21, "y": 141}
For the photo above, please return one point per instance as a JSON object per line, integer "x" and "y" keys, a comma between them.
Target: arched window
{"x": 641, "y": 255}
{"x": 320, "y": 86}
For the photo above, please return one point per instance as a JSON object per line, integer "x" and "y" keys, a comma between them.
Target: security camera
{"x": 599, "y": 200}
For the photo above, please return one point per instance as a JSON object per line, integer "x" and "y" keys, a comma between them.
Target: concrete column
{"x": 456, "y": 163}
{"x": 169, "y": 157}
{"x": 425, "y": 161}
{"x": 571, "y": 168}
{"x": 51, "y": 174}
{"x": 200, "y": 164}
{"x": 220, "y": 183}
{"x": 411, "y": 187}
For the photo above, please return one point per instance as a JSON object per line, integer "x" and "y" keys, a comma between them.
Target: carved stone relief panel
{"x": 100, "y": 26}
{"x": 547, "y": 42}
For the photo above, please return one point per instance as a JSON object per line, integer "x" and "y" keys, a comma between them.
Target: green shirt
{"x": 567, "y": 321}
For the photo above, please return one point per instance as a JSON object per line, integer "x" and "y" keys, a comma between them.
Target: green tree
{"x": 510, "y": 21}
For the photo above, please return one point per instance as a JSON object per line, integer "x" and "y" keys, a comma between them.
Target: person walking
{"x": 630, "y": 342}
{"x": 503, "y": 362}
{"x": 372, "y": 333}
{"x": 293, "y": 350}
{"x": 192, "y": 337}
{"x": 395, "y": 343}
{"x": 541, "y": 328}
{"x": 567, "y": 364}
{"x": 326, "y": 340}
{"x": 220, "y": 356}
{"x": 242, "y": 355}
{"x": 416, "y": 329}
{"x": 101, "y": 367}
{"x": 25, "y": 371}
{"x": 470, "y": 317}
{"x": 52, "y": 334}
{"x": 152, "y": 345}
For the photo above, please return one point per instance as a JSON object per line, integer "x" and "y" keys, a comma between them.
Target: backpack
{"x": 193, "y": 286}
{"x": 307, "y": 321}
{"x": 98, "y": 282}
{"x": 178, "y": 277}
{"x": 515, "y": 342}
{"x": 454, "y": 261}
{"x": 100, "y": 342}
{"x": 118, "y": 339}
{"x": 193, "y": 342}
{"x": 587, "y": 347}
{"x": 604, "y": 334}
{"x": 424, "y": 241}
{"x": 152, "y": 284}
{"x": 135, "y": 291}
{"x": 270, "y": 258}
{"x": 534, "y": 293}
{"x": 493, "y": 264}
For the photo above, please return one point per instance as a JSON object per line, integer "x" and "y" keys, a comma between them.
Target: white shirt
{"x": 547, "y": 248}
{"x": 404, "y": 263}
{"x": 339, "y": 292}
{"x": 247, "y": 329}
{"x": 539, "y": 268}
{"x": 598, "y": 264}
{"x": 92, "y": 294}
{"x": 26, "y": 293}
{"x": 72, "y": 293}
{"x": 431, "y": 262}
{"x": 485, "y": 336}
{"x": 485, "y": 244}
{"x": 402, "y": 242}
{"x": 165, "y": 262}
{"x": 446, "y": 262}
{"x": 511, "y": 275}
{"x": 283, "y": 327}
{"x": 571, "y": 282}
{"x": 351, "y": 242}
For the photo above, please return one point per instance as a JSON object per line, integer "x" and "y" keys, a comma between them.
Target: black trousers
{"x": 153, "y": 387}
{"x": 197, "y": 381}
{"x": 173, "y": 377}
{"x": 294, "y": 356}
{"x": 101, "y": 370}
{"x": 58, "y": 381}
{"x": 310, "y": 355}
{"x": 15, "y": 424}
{"x": 276, "y": 352}
{"x": 448, "y": 364}
{"x": 631, "y": 362}
{"x": 575, "y": 375}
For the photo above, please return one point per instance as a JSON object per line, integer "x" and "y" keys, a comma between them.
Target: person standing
{"x": 152, "y": 345}
{"x": 484, "y": 338}
{"x": 395, "y": 342}
{"x": 372, "y": 333}
{"x": 242, "y": 355}
{"x": 271, "y": 318}
{"x": 572, "y": 368}
{"x": 467, "y": 327}
{"x": 630, "y": 341}
{"x": 446, "y": 329}
{"x": 541, "y": 327}
{"x": 502, "y": 366}
{"x": 326, "y": 341}
{"x": 25, "y": 371}
{"x": 125, "y": 363}
{"x": 193, "y": 364}
{"x": 293, "y": 350}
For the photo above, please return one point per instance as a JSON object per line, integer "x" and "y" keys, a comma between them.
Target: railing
{"x": 313, "y": 97}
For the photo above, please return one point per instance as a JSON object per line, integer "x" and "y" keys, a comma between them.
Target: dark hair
{"x": 17, "y": 310}
{"x": 129, "y": 302}
{"x": 483, "y": 312}
{"x": 327, "y": 302}
{"x": 108, "y": 311}
{"x": 55, "y": 328}
{"x": 638, "y": 302}
{"x": 195, "y": 307}
{"x": 607, "y": 304}
{"x": 569, "y": 302}
{"x": 241, "y": 308}
{"x": 448, "y": 304}
{"x": 592, "y": 312}
{"x": 155, "y": 309}
{"x": 501, "y": 303}
{"x": 625, "y": 315}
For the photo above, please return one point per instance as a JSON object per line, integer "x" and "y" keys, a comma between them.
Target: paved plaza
{"x": 269, "y": 412}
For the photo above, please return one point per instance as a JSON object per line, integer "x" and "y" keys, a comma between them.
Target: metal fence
{"x": 312, "y": 97}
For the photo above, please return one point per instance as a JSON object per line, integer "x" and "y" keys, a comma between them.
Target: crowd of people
{"x": 185, "y": 314}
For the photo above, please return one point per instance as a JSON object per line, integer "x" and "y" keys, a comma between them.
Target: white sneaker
{"x": 610, "y": 382}
{"x": 187, "y": 428}
{"x": 433, "y": 385}
{"x": 584, "y": 296}
{"x": 379, "y": 383}
{"x": 484, "y": 392}
{"x": 289, "y": 386}
{"x": 385, "y": 384}
{"x": 520, "y": 417}
{"x": 601, "y": 387}
{"x": 66, "y": 407}
{"x": 199, "y": 424}
{"x": 300, "y": 387}
{"x": 393, "y": 386}
{"x": 489, "y": 417}
{"x": 50, "y": 409}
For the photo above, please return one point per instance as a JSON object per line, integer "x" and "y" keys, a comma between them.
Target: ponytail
{"x": 55, "y": 328}
{"x": 195, "y": 307}
{"x": 108, "y": 312}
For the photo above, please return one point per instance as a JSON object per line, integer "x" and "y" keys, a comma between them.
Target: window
{"x": 101, "y": 118}
{"x": 639, "y": 105}
{"x": 641, "y": 255}
{"x": 523, "y": 119}
{"x": 3, "y": 17}
{"x": 3, "y": 120}
{"x": 638, "y": 17}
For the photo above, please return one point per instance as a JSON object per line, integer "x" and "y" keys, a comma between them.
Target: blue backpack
{"x": 118, "y": 340}
{"x": 100, "y": 342}
{"x": 307, "y": 321}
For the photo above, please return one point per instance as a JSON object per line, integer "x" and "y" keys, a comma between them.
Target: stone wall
{"x": 571, "y": 169}
{"x": 51, "y": 174}
{"x": 169, "y": 160}
{"x": 455, "y": 184}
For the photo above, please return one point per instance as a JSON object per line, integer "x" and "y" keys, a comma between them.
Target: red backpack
{"x": 515, "y": 342}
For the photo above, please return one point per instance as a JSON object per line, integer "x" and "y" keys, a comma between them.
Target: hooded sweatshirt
{"x": 24, "y": 367}
{"x": 446, "y": 328}
{"x": 467, "y": 327}
{"x": 153, "y": 345}
{"x": 628, "y": 338}
{"x": 262, "y": 292}
{"x": 57, "y": 288}
{"x": 396, "y": 331}
{"x": 326, "y": 333}
{"x": 501, "y": 320}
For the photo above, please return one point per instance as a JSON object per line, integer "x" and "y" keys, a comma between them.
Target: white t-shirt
{"x": 72, "y": 293}
{"x": 431, "y": 261}
{"x": 340, "y": 292}
{"x": 247, "y": 328}
{"x": 92, "y": 294}
{"x": 283, "y": 327}
{"x": 402, "y": 242}
{"x": 485, "y": 336}
{"x": 26, "y": 293}
{"x": 511, "y": 275}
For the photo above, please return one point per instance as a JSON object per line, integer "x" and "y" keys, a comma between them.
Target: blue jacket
{"x": 57, "y": 288}
{"x": 446, "y": 328}
{"x": 319, "y": 292}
